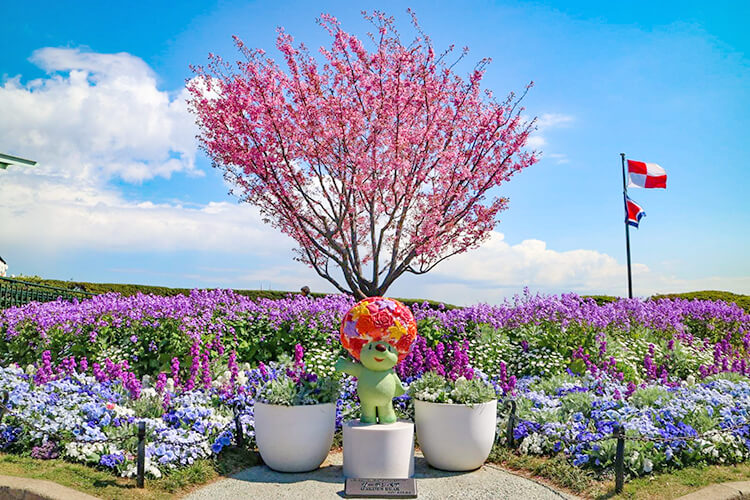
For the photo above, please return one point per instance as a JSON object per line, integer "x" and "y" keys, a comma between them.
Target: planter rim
{"x": 293, "y": 406}
{"x": 468, "y": 405}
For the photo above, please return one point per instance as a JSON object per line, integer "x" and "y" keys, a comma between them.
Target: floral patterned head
{"x": 378, "y": 319}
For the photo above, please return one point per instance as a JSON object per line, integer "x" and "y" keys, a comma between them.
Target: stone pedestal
{"x": 378, "y": 451}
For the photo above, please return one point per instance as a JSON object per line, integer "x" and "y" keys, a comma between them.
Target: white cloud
{"x": 45, "y": 214}
{"x": 498, "y": 270}
{"x": 545, "y": 122}
{"x": 531, "y": 263}
{"x": 548, "y": 120}
{"x": 95, "y": 117}
{"x": 559, "y": 158}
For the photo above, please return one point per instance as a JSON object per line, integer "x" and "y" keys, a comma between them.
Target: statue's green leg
{"x": 368, "y": 414}
{"x": 386, "y": 414}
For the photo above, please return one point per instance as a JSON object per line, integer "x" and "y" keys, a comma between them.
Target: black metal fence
{"x": 17, "y": 293}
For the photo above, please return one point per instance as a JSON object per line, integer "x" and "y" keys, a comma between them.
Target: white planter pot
{"x": 294, "y": 438}
{"x": 455, "y": 437}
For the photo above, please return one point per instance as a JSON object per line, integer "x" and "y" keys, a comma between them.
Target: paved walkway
{"x": 725, "y": 491}
{"x": 22, "y": 488}
{"x": 489, "y": 482}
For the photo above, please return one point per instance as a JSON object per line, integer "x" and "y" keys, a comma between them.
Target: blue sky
{"x": 122, "y": 194}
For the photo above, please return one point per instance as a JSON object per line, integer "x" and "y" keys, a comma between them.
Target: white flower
{"x": 154, "y": 472}
{"x": 221, "y": 380}
{"x": 121, "y": 411}
{"x": 149, "y": 468}
{"x": 532, "y": 444}
{"x": 148, "y": 392}
{"x": 71, "y": 450}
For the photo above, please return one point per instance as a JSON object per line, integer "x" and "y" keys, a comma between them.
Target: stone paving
{"x": 260, "y": 482}
{"x": 725, "y": 491}
{"x": 489, "y": 482}
{"x": 22, "y": 488}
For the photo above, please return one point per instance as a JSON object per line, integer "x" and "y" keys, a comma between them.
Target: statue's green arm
{"x": 348, "y": 366}
{"x": 400, "y": 389}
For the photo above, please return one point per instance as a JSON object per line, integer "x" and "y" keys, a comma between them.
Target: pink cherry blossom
{"x": 378, "y": 160}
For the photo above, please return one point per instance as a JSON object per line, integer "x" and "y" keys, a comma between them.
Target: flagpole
{"x": 627, "y": 226}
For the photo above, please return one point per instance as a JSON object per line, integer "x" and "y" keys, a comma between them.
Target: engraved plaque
{"x": 380, "y": 488}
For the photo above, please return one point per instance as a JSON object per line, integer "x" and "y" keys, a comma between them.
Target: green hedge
{"x": 741, "y": 300}
{"x": 601, "y": 299}
{"x": 128, "y": 289}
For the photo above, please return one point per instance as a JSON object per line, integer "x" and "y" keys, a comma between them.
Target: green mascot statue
{"x": 378, "y": 332}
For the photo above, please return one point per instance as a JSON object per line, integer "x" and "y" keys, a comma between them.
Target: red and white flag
{"x": 633, "y": 212}
{"x": 646, "y": 175}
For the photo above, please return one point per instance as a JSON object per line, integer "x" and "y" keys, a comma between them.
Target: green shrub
{"x": 577, "y": 402}
{"x": 488, "y": 348}
{"x": 601, "y": 299}
{"x": 431, "y": 330}
{"x": 731, "y": 376}
{"x": 742, "y": 301}
{"x": 437, "y": 389}
{"x": 648, "y": 396}
{"x": 550, "y": 385}
{"x": 283, "y": 390}
{"x": 259, "y": 341}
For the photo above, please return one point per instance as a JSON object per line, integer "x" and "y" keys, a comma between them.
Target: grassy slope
{"x": 131, "y": 289}
{"x": 741, "y": 300}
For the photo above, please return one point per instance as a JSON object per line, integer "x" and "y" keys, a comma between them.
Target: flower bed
{"x": 86, "y": 421}
{"x": 83, "y": 420}
{"x": 185, "y": 336}
{"x": 93, "y": 370}
{"x": 665, "y": 425}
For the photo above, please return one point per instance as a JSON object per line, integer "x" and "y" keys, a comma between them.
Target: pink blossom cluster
{"x": 385, "y": 157}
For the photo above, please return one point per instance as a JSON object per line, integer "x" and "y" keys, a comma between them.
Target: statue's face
{"x": 378, "y": 356}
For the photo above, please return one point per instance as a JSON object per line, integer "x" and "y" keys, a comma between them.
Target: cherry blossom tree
{"x": 377, "y": 162}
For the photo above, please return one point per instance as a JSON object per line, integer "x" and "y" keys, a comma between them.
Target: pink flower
{"x": 382, "y": 319}
{"x": 414, "y": 149}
